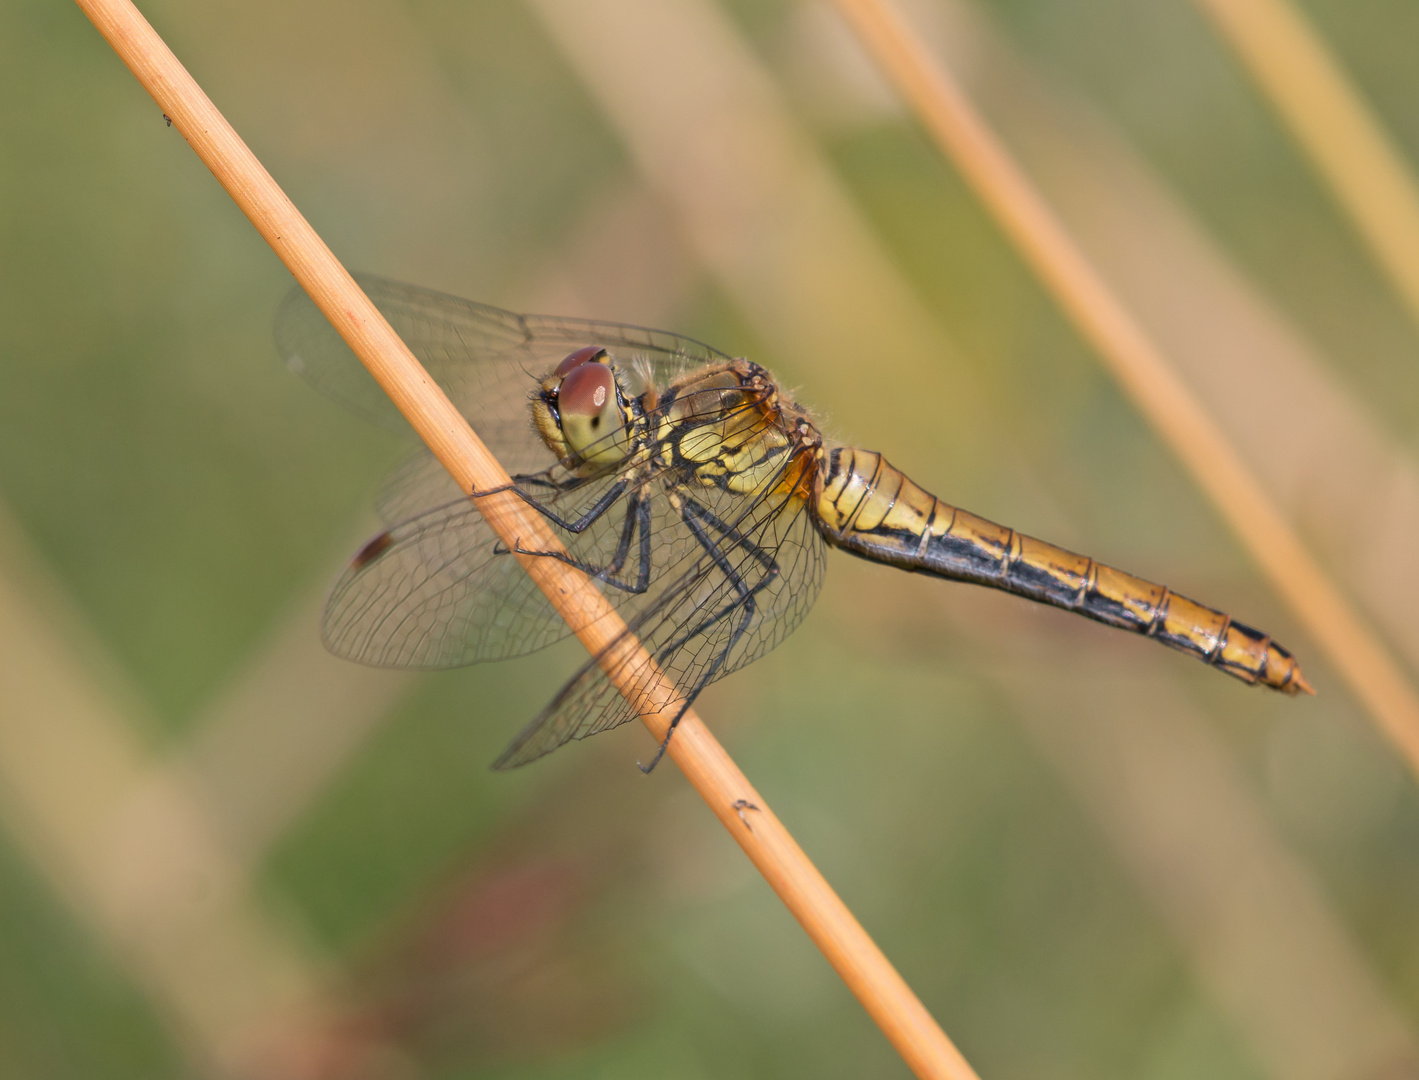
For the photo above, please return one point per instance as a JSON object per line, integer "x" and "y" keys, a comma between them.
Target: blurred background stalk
{"x": 1332, "y": 124}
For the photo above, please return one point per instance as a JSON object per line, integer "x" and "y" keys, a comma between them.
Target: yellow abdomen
{"x": 866, "y": 506}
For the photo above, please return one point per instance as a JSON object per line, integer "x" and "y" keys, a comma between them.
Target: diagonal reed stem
{"x": 1328, "y": 117}
{"x": 1142, "y": 370}
{"x": 867, "y": 972}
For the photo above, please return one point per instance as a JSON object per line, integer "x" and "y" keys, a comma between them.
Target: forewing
{"x": 486, "y": 359}
{"x": 698, "y": 625}
{"x": 417, "y": 484}
{"x": 439, "y": 589}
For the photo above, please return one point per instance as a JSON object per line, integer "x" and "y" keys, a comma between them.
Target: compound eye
{"x": 586, "y": 390}
{"x": 577, "y": 359}
{"x": 590, "y": 413}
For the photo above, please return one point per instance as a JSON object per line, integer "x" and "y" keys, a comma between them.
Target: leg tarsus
{"x": 587, "y": 519}
{"x": 665, "y": 742}
{"x": 604, "y": 573}
{"x": 474, "y": 493}
{"x": 692, "y": 514}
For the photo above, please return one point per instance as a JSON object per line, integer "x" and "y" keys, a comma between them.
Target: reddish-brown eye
{"x": 581, "y": 356}
{"x": 586, "y": 390}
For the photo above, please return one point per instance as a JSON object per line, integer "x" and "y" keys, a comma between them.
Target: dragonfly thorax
{"x": 713, "y": 414}
{"x": 731, "y": 428}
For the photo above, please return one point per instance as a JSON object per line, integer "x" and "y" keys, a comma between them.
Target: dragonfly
{"x": 688, "y": 485}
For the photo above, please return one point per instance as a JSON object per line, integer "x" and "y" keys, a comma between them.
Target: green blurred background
{"x": 223, "y": 853}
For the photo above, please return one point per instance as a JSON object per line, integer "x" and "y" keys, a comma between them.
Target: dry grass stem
{"x": 738, "y": 806}
{"x": 1142, "y": 371}
{"x": 1335, "y": 129}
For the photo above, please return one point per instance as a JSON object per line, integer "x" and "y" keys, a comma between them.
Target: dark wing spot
{"x": 372, "y": 551}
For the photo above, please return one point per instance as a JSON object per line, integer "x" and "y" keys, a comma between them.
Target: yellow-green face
{"x": 581, "y": 412}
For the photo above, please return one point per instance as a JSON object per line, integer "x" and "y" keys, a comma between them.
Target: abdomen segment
{"x": 872, "y": 509}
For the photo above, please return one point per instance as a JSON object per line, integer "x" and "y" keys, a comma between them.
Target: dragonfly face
{"x": 695, "y": 494}
{"x": 582, "y": 412}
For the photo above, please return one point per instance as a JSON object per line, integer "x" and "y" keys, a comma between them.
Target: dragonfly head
{"x": 580, "y": 410}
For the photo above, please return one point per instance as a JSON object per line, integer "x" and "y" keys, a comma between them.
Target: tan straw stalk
{"x": 741, "y": 809}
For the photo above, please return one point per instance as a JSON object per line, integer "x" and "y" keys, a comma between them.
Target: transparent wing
{"x": 436, "y": 591}
{"x": 439, "y": 589}
{"x": 747, "y": 572}
{"x": 419, "y": 482}
{"x": 709, "y": 580}
{"x": 486, "y": 359}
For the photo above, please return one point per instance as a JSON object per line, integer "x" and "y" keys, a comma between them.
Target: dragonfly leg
{"x": 637, "y": 518}
{"x": 542, "y": 479}
{"x": 581, "y": 524}
{"x": 475, "y": 493}
{"x": 700, "y": 521}
{"x": 764, "y": 558}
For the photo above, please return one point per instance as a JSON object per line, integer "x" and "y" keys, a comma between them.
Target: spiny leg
{"x": 614, "y": 492}
{"x": 580, "y": 525}
{"x": 544, "y": 479}
{"x": 696, "y": 517}
{"x": 637, "y": 518}
{"x": 764, "y": 558}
